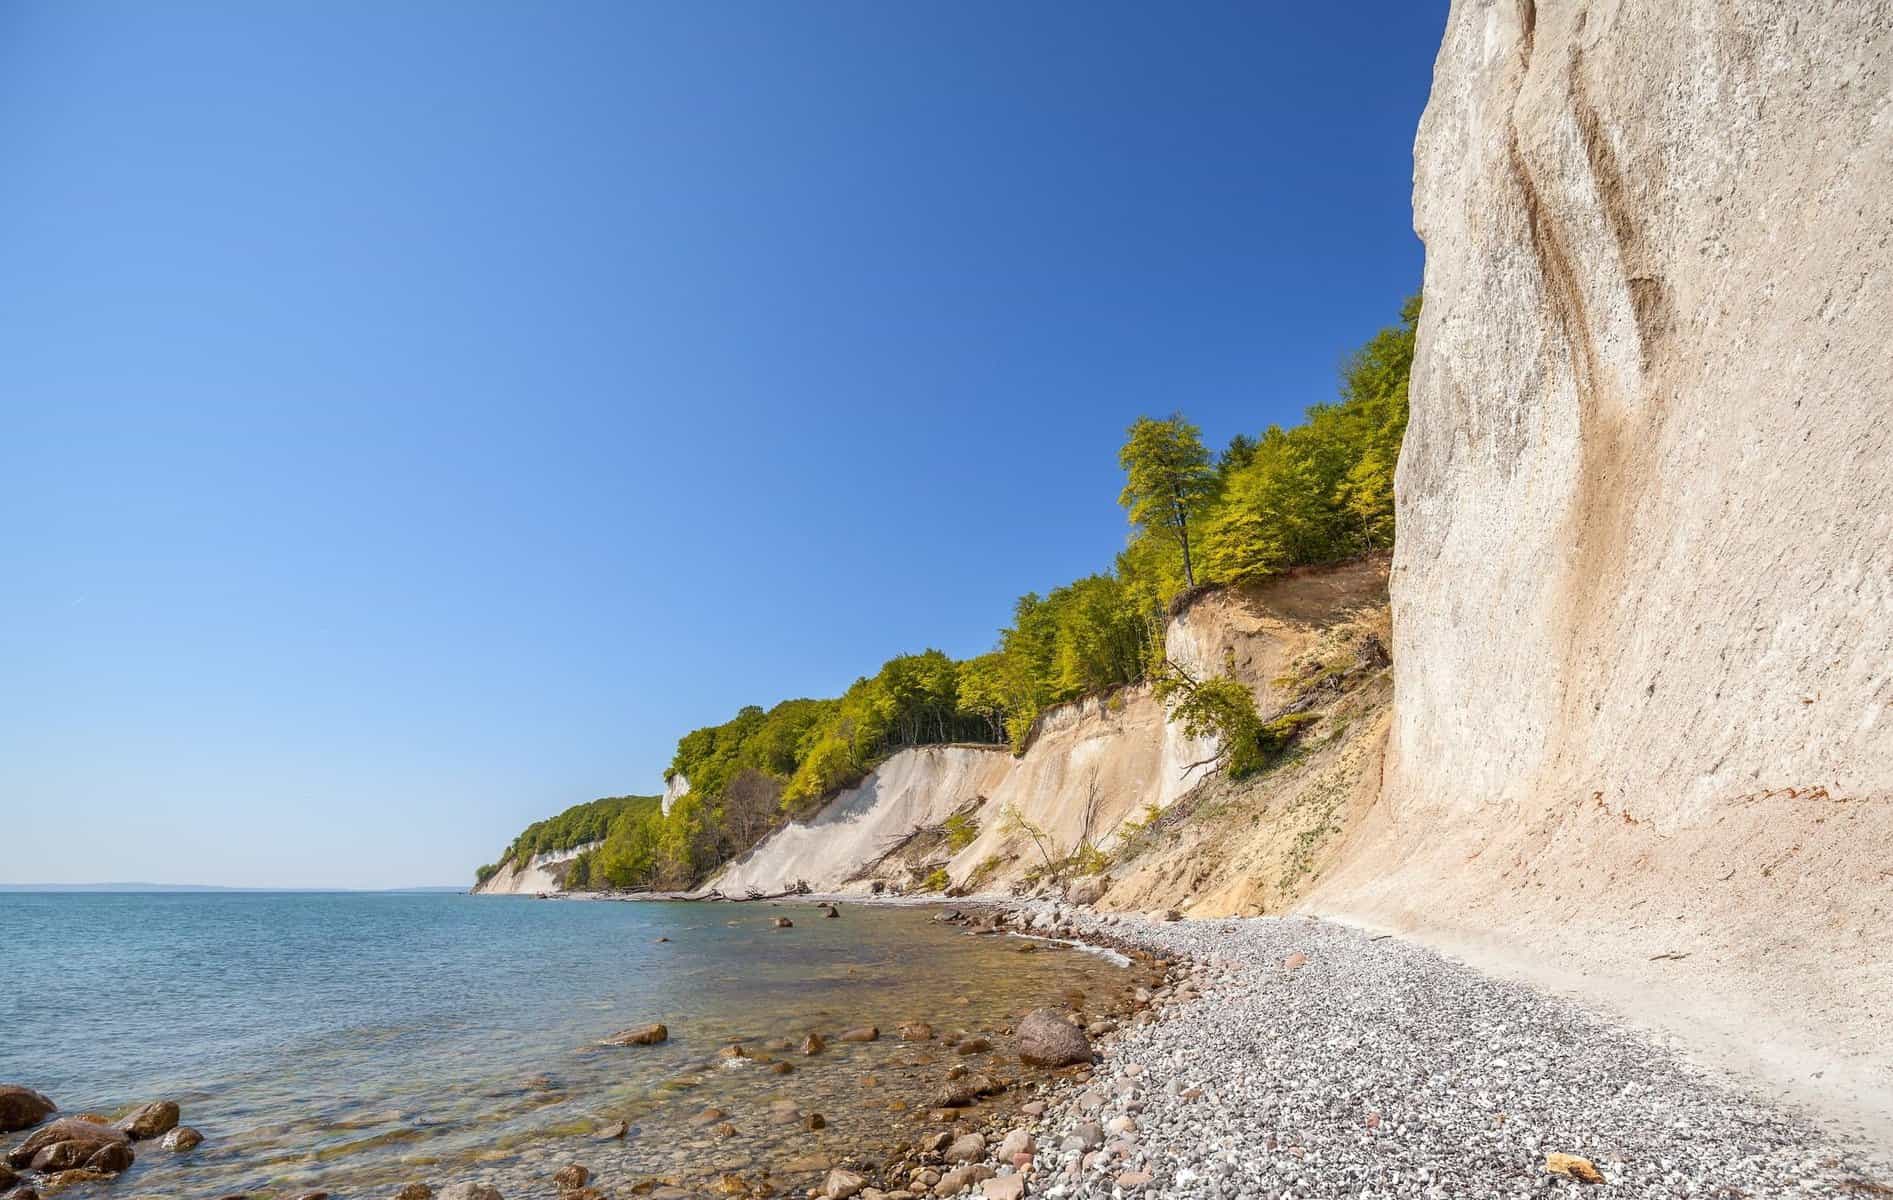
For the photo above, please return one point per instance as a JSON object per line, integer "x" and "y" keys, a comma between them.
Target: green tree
{"x": 1167, "y": 476}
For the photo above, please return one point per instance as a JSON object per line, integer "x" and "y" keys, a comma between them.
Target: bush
{"x": 961, "y": 830}
{"x": 937, "y": 880}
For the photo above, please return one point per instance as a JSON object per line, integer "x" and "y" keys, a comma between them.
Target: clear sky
{"x": 414, "y": 416}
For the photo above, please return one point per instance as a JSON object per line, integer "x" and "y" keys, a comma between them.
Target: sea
{"x": 354, "y": 1043}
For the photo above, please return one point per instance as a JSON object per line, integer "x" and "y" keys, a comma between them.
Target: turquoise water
{"x": 357, "y": 1042}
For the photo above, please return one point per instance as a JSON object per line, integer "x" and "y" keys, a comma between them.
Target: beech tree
{"x": 1167, "y": 477}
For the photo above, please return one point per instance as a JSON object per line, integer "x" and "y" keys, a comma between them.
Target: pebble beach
{"x": 1296, "y": 1058}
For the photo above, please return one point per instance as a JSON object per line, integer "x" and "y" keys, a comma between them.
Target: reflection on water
{"x": 356, "y": 1043}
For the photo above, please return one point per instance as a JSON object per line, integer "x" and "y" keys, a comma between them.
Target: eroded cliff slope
{"x": 1643, "y": 590}
{"x": 1086, "y": 798}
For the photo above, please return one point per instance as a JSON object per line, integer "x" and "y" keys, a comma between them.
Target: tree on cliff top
{"x": 1167, "y": 476}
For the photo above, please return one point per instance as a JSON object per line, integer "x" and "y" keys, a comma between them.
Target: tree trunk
{"x": 1183, "y": 537}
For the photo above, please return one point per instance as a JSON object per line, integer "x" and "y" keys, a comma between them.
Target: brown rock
{"x": 1570, "y": 1166}
{"x": 1295, "y": 961}
{"x": 815, "y": 1121}
{"x": 59, "y": 1181}
{"x": 62, "y": 1156}
{"x": 866, "y": 1033}
{"x": 415, "y": 1191}
{"x": 610, "y": 1132}
{"x": 7, "y": 1177}
{"x": 182, "y": 1138}
{"x": 732, "y": 1051}
{"x": 813, "y": 1044}
{"x": 829, "y": 911}
{"x": 1131, "y": 1180}
{"x": 22, "y": 1108}
{"x": 571, "y": 1176}
{"x": 642, "y": 1035}
{"x": 313, "y": 1196}
{"x": 975, "y": 1045}
{"x": 66, "y": 1129}
{"x": 1048, "y": 1040}
{"x": 1003, "y": 1187}
{"x": 153, "y": 1120}
{"x": 725, "y": 1130}
{"x": 916, "y": 1031}
{"x": 784, "y": 923}
{"x": 113, "y": 1157}
{"x": 781, "y": 1068}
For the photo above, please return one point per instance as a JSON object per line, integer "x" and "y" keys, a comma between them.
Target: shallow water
{"x": 358, "y": 1042}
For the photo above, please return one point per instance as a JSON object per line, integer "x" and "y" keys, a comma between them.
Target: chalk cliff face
{"x": 1643, "y": 591}
{"x": 675, "y": 788}
{"x": 1646, "y": 498}
{"x": 543, "y": 873}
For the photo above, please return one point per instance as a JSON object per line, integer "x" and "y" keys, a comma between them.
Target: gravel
{"x": 1376, "y": 1068}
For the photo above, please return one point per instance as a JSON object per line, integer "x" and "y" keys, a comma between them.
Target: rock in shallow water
{"x": 640, "y": 1035}
{"x": 182, "y": 1138}
{"x": 22, "y": 1108}
{"x": 153, "y": 1120}
{"x": 470, "y": 1191}
{"x": 65, "y": 1130}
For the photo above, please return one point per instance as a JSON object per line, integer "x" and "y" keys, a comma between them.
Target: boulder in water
{"x": 22, "y": 1108}
{"x": 640, "y": 1035}
{"x": 470, "y": 1191}
{"x": 182, "y": 1138}
{"x": 65, "y": 1130}
{"x": 153, "y": 1120}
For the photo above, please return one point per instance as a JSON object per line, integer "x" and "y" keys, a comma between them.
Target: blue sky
{"x": 414, "y": 416}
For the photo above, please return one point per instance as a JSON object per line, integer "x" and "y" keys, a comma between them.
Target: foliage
{"x": 937, "y": 880}
{"x": 578, "y": 873}
{"x": 577, "y": 825}
{"x": 1167, "y": 478}
{"x": 1323, "y": 489}
{"x": 485, "y": 873}
{"x": 961, "y": 830}
{"x": 1221, "y": 708}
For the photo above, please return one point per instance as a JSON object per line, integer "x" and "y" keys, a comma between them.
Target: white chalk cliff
{"x": 1643, "y": 590}
{"x": 542, "y": 873}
